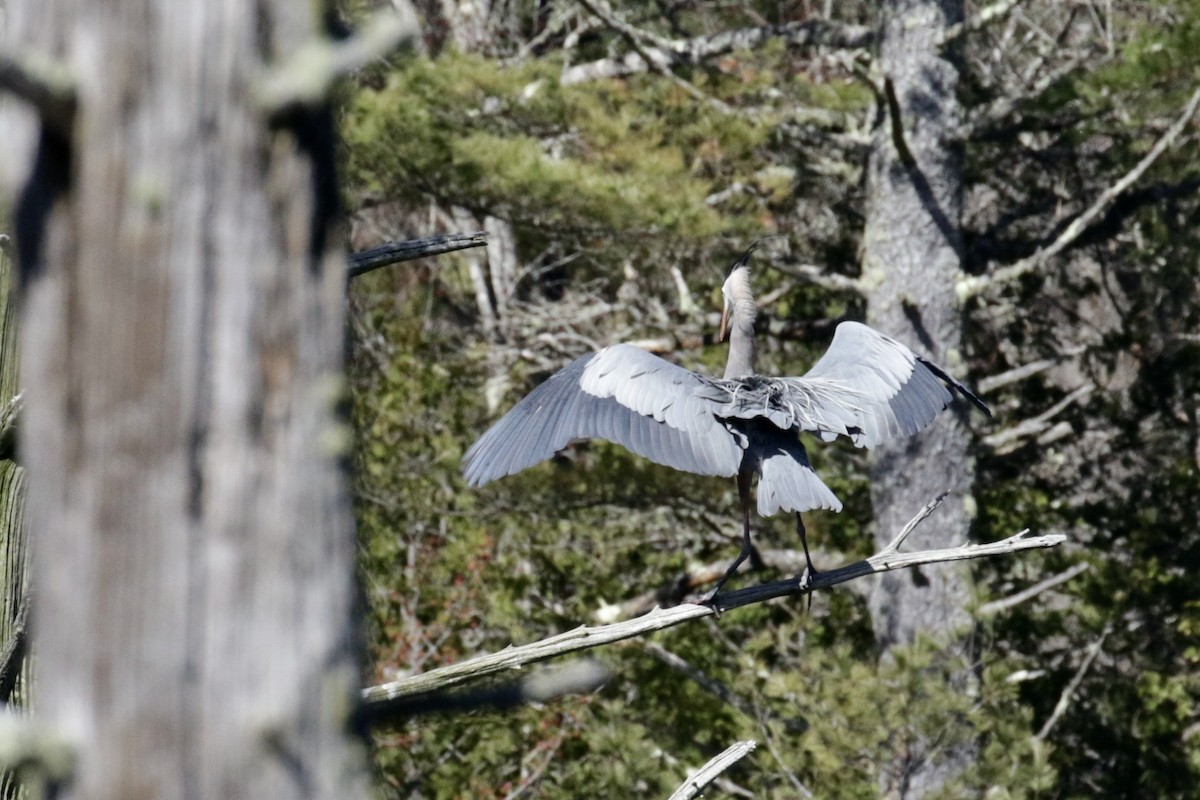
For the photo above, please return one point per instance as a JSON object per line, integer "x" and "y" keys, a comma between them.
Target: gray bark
{"x": 912, "y": 260}
{"x": 14, "y": 596}
{"x": 182, "y": 344}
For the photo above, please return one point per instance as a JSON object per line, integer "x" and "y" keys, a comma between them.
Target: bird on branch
{"x": 867, "y": 387}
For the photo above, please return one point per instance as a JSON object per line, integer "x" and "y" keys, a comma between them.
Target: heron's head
{"x": 736, "y": 291}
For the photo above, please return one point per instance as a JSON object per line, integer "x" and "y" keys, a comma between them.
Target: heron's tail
{"x": 787, "y": 482}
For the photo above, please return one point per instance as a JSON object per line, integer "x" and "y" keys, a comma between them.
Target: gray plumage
{"x": 867, "y": 387}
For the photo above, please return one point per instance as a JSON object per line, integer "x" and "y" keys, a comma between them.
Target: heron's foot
{"x": 805, "y": 579}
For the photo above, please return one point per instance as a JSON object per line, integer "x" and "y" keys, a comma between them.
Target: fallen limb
{"x": 585, "y": 637}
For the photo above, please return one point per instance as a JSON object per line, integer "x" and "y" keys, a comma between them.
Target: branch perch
{"x": 585, "y": 637}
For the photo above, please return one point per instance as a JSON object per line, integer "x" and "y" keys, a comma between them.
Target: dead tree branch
{"x": 986, "y": 15}
{"x": 706, "y": 774}
{"x": 585, "y": 637}
{"x": 1005, "y": 603}
{"x": 1017, "y": 374}
{"x": 1009, "y": 439}
{"x": 972, "y": 285}
{"x": 1064, "y": 700}
{"x": 410, "y": 249}
{"x": 577, "y": 677}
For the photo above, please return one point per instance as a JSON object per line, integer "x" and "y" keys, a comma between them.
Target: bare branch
{"x": 1064, "y": 700}
{"x": 1005, "y": 603}
{"x": 711, "y": 685}
{"x": 706, "y": 774}
{"x": 585, "y": 637}
{"x": 972, "y": 285}
{"x": 986, "y": 15}
{"x": 698, "y": 50}
{"x": 1007, "y": 440}
{"x": 410, "y": 249}
{"x": 651, "y": 55}
{"x": 810, "y": 273}
{"x": 982, "y": 118}
{"x": 305, "y": 79}
{"x": 576, "y": 677}
{"x": 1016, "y": 374}
{"x": 46, "y": 85}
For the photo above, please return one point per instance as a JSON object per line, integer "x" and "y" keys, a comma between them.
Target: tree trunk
{"x": 14, "y": 595}
{"x": 912, "y": 260}
{"x": 182, "y": 343}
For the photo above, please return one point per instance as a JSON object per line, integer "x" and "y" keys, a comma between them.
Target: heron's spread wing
{"x": 867, "y": 386}
{"x": 623, "y": 394}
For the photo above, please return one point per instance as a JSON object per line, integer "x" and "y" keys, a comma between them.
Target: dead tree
{"x": 183, "y": 272}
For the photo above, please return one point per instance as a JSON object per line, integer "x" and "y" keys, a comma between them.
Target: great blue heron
{"x": 867, "y": 387}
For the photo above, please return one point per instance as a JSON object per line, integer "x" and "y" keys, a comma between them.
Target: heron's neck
{"x": 741, "y": 338}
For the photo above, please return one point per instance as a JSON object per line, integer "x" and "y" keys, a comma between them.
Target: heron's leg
{"x": 747, "y": 548}
{"x": 809, "y": 570}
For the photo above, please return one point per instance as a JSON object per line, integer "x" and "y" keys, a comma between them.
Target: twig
{"x": 46, "y": 85}
{"x": 585, "y": 637}
{"x": 912, "y": 524}
{"x": 1064, "y": 700}
{"x": 706, "y": 774}
{"x": 305, "y": 79}
{"x": 972, "y": 285}
{"x": 1005, "y": 603}
{"x": 986, "y": 15}
{"x": 711, "y": 685}
{"x": 1006, "y": 441}
{"x": 410, "y": 249}
{"x": 1004, "y": 105}
{"x": 1016, "y": 374}
{"x": 813, "y": 274}
{"x": 654, "y": 57}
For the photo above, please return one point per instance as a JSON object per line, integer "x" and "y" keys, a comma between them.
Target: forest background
{"x": 620, "y": 157}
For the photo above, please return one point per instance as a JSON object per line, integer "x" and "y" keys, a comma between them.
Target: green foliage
{"x": 605, "y": 158}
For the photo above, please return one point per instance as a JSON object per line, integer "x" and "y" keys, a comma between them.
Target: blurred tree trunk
{"x": 912, "y": 253}
{"x": 182, "y": 336}
{"x": 14, "y": 596}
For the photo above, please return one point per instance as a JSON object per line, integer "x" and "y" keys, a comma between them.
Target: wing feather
{"x": 870, "y": 387}
{"x": 623, "y": 394}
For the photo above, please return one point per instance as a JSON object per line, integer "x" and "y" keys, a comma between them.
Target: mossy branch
{"x": 585, "y": 637}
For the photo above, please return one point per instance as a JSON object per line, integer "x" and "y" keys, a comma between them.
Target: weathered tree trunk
{"x": 182, "y": 347}
{"x": 912, "y": 260}
{"x": 14, "y": 595}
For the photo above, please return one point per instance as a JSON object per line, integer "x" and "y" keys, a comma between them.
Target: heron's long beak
{"x": 724, "y": 323}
